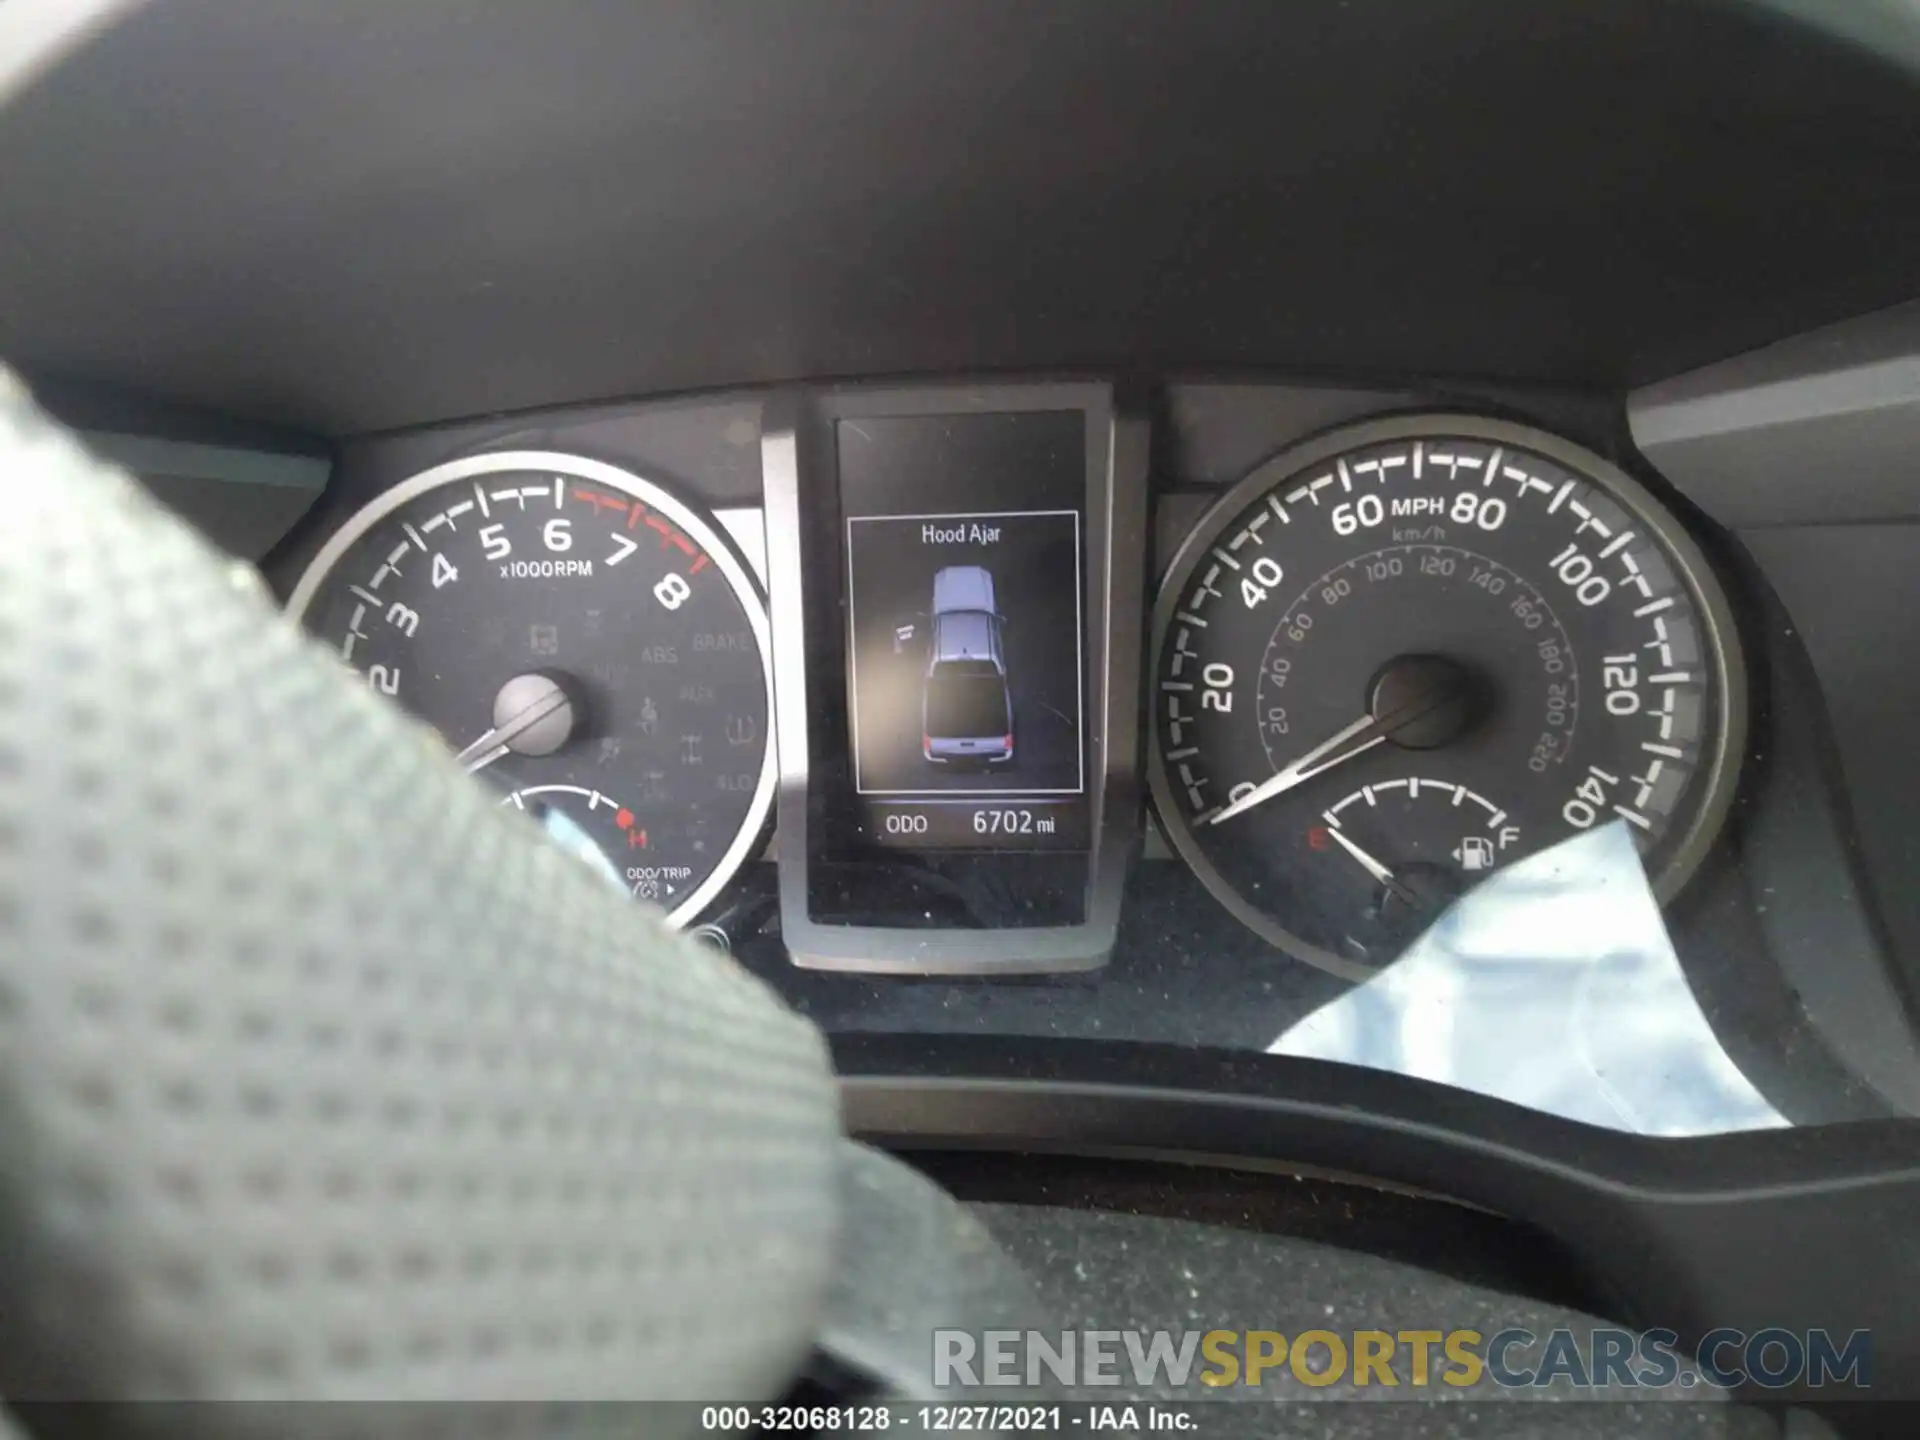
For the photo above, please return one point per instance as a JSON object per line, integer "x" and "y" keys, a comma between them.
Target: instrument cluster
{"x": 1391, "y": 659}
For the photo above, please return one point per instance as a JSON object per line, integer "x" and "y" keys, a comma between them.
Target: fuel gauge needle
{"x": 1367, "y": 863}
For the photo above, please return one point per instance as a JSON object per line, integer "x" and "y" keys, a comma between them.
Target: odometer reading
{"x": 1404, "y": 655}
{"x": 583, "y": 641}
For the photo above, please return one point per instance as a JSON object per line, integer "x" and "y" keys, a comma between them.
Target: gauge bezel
{"x": 1721, "y": 757}
{"x": 709, "y": 535}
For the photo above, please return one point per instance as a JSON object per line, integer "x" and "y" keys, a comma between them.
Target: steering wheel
{"x": 320, "y": 1075}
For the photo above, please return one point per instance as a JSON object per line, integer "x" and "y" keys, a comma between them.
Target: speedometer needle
{"x": 1417, "y": 701}
{"x": 1308, "y": 766}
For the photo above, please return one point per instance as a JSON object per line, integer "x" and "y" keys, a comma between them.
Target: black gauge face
{"x": 584, "y": 642}
{"x": 1410, "y": 653}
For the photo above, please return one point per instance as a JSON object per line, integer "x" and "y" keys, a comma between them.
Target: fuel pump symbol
{"x": 1474, "y": 852}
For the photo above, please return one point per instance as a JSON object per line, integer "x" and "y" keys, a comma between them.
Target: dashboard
{"x": 1198, "y": 715}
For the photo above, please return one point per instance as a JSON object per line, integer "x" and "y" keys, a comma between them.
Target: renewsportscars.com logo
{"x": 1601, "y": 1358}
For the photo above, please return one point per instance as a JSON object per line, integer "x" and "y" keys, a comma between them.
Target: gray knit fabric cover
{"x": 320, "y": 1075}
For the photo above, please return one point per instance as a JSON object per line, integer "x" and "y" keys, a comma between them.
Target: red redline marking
{"x": 639, "y": 512}
{"x": 697, "y": 566}
{"x": 687, "y": 547}
{"x": 654, "y": 522}
{"x": 600, "y": 502}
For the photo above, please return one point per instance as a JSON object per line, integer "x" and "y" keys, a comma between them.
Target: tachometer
{"x": 1410, "y": 652}
{"x": 584, "y": 641}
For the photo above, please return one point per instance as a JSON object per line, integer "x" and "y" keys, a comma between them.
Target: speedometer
{"x": 583, "y": 641}
{"x": 1412, "y": 651}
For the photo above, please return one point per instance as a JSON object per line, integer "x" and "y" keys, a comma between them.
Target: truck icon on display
{"x": 966, "y": 714}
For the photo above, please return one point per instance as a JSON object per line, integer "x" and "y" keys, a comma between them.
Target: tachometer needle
{"x": 531, "y": 709}
{"x": 1322, "y": 757}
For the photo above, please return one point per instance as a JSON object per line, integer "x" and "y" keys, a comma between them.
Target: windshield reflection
{"x": 1553, "y": 985}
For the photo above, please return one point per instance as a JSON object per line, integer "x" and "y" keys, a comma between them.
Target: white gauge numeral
{"x": 1620, "y": 675}
{"x": 1254, "y": 587}
{"x": 672, "y": 591}
{"x": 1217, "y": 695}
{"x": 493, "y": 540}
{"x": 1469, "y": 507}
{"x": 443, "y": 571}
{"x": 1367, "y": 511}
{"x": 1577, "y": 571}
{"x": 626, "y": 548}
{"x": 385, "y": 679}
{"x": 402, "y": 617}
{"x": 1590, "y": 798}
{"x": 558, "y": 534}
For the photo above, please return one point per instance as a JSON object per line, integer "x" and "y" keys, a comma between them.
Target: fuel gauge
{"x": 1410, "y": 847}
